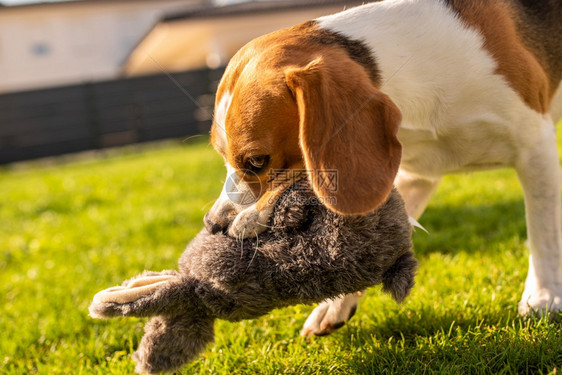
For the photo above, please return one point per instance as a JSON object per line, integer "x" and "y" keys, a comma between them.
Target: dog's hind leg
{"x": 416, "y": 191}
{"x": 539, "y": 172}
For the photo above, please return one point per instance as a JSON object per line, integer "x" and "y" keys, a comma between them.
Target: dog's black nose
{"x": 213, "y": 226}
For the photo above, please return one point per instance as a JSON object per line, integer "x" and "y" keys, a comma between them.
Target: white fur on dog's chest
{"x": 433, "y": 157}
{"x": 469, "y": 140}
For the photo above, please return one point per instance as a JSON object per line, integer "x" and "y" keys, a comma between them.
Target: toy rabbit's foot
{"x": 169, "y": 343}
{"x": 124, "y": 300}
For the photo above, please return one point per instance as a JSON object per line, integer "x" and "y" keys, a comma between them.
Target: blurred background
{"x": 93, "y": 74}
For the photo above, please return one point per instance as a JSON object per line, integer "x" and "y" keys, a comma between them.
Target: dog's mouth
{"x": 239, "y": 211}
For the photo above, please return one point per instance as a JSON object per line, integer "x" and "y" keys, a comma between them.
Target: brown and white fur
{"x": 399, "y": 92}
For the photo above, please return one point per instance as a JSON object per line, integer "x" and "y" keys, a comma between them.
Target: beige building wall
{"x": 64, "y": 43}
{"x": 210, "y": 41}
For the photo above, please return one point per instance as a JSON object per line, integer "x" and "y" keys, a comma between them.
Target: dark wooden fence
{"x": 61, "y": 120}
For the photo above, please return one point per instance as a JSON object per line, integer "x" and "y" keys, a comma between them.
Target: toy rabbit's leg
{"x": 171, "y": 342}
{"x": 331, "y": 315}
{"x": 148, "y": 274}
{"x": 146, "y": 296}
{"x": 133, "y": 289}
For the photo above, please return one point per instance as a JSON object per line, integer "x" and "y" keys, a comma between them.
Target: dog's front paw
{"x": 541, "y": 301}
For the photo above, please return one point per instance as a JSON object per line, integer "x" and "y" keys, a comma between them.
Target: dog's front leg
{"x": 539, "y": 172}
{"x": 253, "y": 220}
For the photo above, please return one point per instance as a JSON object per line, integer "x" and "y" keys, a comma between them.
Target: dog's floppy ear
{"x": 347, "y": 133}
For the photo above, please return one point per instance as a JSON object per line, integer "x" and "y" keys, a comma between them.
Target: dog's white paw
{"x": 250, "y": 222}
{"x": 541, "y": 301}
{"x": 543, "y": 287}
{"x": 331, "y": 315}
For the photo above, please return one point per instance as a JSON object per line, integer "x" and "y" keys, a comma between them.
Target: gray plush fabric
{"x": 308, "y": 255}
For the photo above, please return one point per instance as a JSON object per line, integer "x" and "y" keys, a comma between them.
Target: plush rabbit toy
{"x": 309, "y": 254}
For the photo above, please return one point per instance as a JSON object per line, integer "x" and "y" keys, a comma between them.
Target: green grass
{"x": 69, "y": 229}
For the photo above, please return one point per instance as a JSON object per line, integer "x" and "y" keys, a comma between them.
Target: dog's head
{"x": 302, "y": 101}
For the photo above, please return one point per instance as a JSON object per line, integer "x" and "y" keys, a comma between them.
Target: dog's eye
{"x": 257, "y": 163}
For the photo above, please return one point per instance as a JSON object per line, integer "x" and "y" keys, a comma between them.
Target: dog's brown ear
{"x": 347, "y": 133}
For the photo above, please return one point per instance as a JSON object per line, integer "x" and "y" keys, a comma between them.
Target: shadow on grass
{"x": 473, "y": 228}
{"x": 427, "y": 340}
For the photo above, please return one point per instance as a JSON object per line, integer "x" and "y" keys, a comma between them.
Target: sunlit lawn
{"x": 70, "y": 229}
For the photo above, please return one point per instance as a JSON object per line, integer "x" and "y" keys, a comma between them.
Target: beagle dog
{"x": 397, "y": 92}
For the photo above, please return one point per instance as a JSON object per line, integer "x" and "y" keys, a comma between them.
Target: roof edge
{"x": 252, "y": 8}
